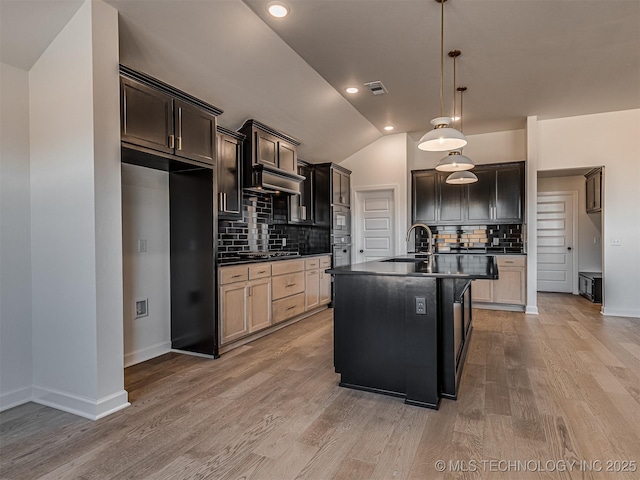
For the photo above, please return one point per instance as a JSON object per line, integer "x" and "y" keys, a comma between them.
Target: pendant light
{"x": 455, "y": 161}
{"x": 442, "y": 137}
{"x": 461, "y": 177}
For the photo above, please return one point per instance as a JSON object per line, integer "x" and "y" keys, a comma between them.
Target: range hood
{"x": 265, "y": 179}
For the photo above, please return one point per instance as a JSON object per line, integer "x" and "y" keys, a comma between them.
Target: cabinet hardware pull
{"x": 291, "y": 285}
{"x": 291, "y": 307}
{"x": 224, "y": 197}
{"x": 171, "y": 141}
{"x": 251, "y": 291}
{"x": 262, "y": 271}
{"x": 221, "y": 201}
{"x": 508, "y": 261}
{"x": 179, "y": 143}
{"x": 236, "y": 276}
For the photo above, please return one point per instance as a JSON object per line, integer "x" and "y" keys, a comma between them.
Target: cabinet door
{"x": 594, "y": 195}
{"x": 481, "y": 197}
{"x": 259, "y": 304}
{"x": 509, "y": 195}
{"x": 423, "y": 193}
{"x": 233, "y": 312}
{"x": 325, "y": 287}
{"x": 301, "y": 207}
{"x": 510, "y": 287}
{"x": 345, "y": 189}
{"x": 229, "y": 189}
{"x": 335, "y": 187}
{"x": 266, "y": 149}
{"x": 195, "y": 133}
{"x": 146, "y": 116}
{"x": 482, "y": 291}
{"x": 312, "y": 290}
{"x": 287, "y": 157}
{"x": 450, "y": 207}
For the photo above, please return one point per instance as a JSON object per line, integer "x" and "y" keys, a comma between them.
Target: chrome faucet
{"x": 429, "y": 233}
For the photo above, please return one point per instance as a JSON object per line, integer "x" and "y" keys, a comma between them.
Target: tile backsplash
{"x": 506, "y": 238}
{"x": 256, "y": 231}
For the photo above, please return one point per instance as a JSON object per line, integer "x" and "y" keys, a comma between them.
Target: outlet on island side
{"x": 421, "y": 306}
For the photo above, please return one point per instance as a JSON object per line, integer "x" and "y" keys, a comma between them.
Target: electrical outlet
{"x": 284, "y": 242}
{"x": 616, "y": 242}
{"x": 421, "y": 306}
{"x": 142, "y": 245}
{"x": 596, "y": 240}
{"x": 142, "y": 308}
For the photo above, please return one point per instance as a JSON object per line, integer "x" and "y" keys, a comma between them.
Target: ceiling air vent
{"x": 377, "y": 88}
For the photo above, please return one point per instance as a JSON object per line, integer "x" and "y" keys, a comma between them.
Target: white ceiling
{"x": 550, "y": 58}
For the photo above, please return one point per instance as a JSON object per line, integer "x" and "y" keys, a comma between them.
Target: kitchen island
{"x": 402, "y": 325}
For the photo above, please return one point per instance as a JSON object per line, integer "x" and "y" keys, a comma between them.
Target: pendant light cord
{"x": 442, "y": 57}
{"x": 454, "y": 89}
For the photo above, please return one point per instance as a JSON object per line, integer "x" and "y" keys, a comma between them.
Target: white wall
{"x": 589, "y": 251}
{"x": 76, "y": 250}
{"x": 15, "y": 241}
{"x": 383, "y": 163}
{"x": 609, "y": 139}
{"x": 145, "y": 215}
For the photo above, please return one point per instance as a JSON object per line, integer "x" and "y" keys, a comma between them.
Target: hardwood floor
{"x": 544, "y": 391}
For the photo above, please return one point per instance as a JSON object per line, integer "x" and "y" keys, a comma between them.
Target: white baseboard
{"x": 145, "y": 354}
{"x": 14, "y": 398}
{"x": 620, "y": 312}
{"x": 531, "y": 310}
{"x": 81, "y": 406}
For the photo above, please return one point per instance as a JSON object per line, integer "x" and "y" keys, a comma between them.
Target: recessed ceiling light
{"x": 351, "y": 89}
{"x": 277, "y": 9}
{"x": 388, "y": 128}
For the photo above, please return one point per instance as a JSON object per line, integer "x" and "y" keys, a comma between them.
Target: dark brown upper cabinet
{"x": 269, "y": 147}
{"x": 302, "y": 207}
{"x": 496, "y": 198}
{"x": 340, "y": 187}
{"x": 229, "y": 174}
{"x": 594, "y": 190}
{"x": 156, "y": 117}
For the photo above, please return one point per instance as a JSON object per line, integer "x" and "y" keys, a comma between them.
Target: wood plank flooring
{"x": 537, "y": 391}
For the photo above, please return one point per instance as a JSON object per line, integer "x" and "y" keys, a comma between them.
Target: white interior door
{"x": 375, "y": 225}
{"x": 555, "y": 242}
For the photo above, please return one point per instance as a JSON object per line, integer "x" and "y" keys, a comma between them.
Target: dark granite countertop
{"x": 241, "y": 261}
{"x": 481, "y": 251}
{"x": 416, "y": 265}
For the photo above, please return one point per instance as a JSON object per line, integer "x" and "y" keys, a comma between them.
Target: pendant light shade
{"x": 442, "y": 137}
{"x": 462, "y": 178}
{"x": 455, "y": 162}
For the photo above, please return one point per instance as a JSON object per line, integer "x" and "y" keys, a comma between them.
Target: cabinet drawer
{"x": 311, "y": 263}
{"x": 511, "y": 261}
{"x": 260, "y": 270}
{"x": 287, "y": 266}
{"x": 287, "y": 308}
{"x": 233, "y": 274}
{"x": 325, "y": 262}
{"x": 286, "y": 285}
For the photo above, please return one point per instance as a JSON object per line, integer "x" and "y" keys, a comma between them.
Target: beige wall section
{"x": 15, "y": 248}
{"x": 589, "y": 234}
{"x": 383, "y": 163}
{"x": 76, "y": 251}
{"x": 609, "y": 139}
{"x": 145, "y": 216}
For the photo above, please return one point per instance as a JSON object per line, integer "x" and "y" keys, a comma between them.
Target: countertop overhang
{"x": 412, "y": 265}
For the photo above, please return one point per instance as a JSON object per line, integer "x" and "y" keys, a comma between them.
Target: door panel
{"x": 481, "y": 197}
{"x": 287, "y": 157}
{"x": 376, "y": 225}
{"x": 266, "y": 149}
{"x": 555, "y": 242}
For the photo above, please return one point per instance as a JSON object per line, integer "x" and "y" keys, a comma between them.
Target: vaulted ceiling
{"x": 519, "y": 58}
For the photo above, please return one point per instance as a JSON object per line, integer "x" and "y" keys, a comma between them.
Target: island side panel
{"x": 422, "y": 349}
{"x": 381, "y": 344}
{"x": 369, "y": 332}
